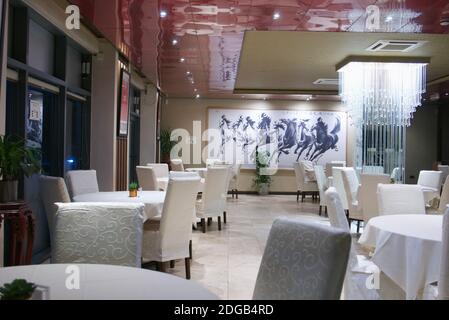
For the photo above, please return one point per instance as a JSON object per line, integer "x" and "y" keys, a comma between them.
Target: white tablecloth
{"x": 153, "y": 200}
{"x": 407, "y": 249}
{"x": 105, "y": 282}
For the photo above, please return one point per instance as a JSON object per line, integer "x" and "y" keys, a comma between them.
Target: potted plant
{"x": 133, "y": 190}
{"x": 16, "y": 160}
{"x": 19, "y": 289}
{"x": 166, "y": 145}
{"x": 262, "y": 181}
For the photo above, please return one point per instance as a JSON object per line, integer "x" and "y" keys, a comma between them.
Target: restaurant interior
{"x": 224, "y": 150}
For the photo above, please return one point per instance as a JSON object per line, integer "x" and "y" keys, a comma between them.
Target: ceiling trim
{"x": 383, "y": 59}
{"x": 286, "y": 91}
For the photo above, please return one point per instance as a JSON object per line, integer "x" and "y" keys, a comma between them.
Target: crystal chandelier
{"x": 381, "y": 98}
{"x": 385, "y": 93}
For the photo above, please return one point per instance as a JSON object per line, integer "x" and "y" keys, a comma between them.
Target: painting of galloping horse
{"x": 288, "y": 135}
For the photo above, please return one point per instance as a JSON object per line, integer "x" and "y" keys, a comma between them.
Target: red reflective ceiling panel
{"x": 209, "y": 34}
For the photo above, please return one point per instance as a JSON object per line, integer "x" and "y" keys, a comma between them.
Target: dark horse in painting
{"x": 324, "y": 140}
{"x": 289, "y": 139}
{"x": 306, "y": 139}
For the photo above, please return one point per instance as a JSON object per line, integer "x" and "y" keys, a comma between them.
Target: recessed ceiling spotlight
{"x": 276, "y": 16}
{"x": 182, "y": 59}
{"x": 174, "y": 42}
{"x": 195, "y": 90}
{"x": 444, "y": 22}
{"x": 163, "y": 14}
{"x": 389, "y": 19}
{"x": 446, "y": 94}
{"x": 188, "y": 73}
{"x": 197, "y": 96}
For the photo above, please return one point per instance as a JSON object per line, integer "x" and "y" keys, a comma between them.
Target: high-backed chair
{"x": 444, "y": 171}
{"x": 303, "y": 261}
{"x": 431, "y": 183}
{"x": 98, "y": 233}
{"x": 176, "y": 165}
{"x": 338, "y": 184}
{"x": 160, "y": 169}
{"x": 234, "y": 181}
{"x": 52, "y": 190}
{"x": 444, "y": 199}
{"x": 352, "y": 186}
{"x": 368, "y": 193}
{"x": 213, "y": 199}
{"x": 169, "y": 239}
{"x": 336, "y": 213}
{"x": 212, "y": 162}
{"x": 443, "y": 283}
{"x": 81, "y": 182}
{"x": 400, "y": 199}
{"x": 321, "y": 181}
{"x": 147, "y": 178}
{"x": 304, "y": 184}
{"x": 334, "y": 164}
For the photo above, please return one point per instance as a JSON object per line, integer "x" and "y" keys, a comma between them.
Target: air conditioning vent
{"x": 326, "y": 82}
{"x": 395, "y": 46}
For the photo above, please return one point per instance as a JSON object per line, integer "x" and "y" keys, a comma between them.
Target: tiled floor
{"x": 226, "y": 262}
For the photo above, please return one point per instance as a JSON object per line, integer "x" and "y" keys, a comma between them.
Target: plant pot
{"x": 8, "y": 191}
{"x": 132, "y": 193}
{"x": 263, "y": 189}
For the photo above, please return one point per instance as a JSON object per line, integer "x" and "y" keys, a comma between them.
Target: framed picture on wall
{"x": 123, "y": 108}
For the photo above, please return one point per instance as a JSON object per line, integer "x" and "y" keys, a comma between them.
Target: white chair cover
{"x": 235, "y": 174}
{"x": 147, "y": 178}
{"x": 444, "y": 199}
{"x": 303, "y": 183}
{"x": 368, "y": 193}
{"x": 212, "y": 162}
{"x": 170, "y": 241}
{"x": 431, "y": 180}
{"x": 160, "y": 169}
{"x": 213, "y": 199}
{"x": 81, "y": 182}
{"x": 303, "y": 261}
{"x": 351, "y": 186}
{"x": 335, "y": 210}
{"x": 334, "y": 164}
{"x": 52, "y": 190}
{"x": 337, "y": 183}
{"x": 444, "y": 172}
{"x": 443, "y": 283}
{"x": 321, "y": 181}
{"x": 176, "y": 165}
{"x": 98, "y": 233}
{"x": 400, "y": 199}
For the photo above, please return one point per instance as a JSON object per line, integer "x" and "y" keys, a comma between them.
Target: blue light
{"x": 70, "y": 161}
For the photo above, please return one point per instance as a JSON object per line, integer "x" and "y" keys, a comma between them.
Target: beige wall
{"x": 180, "y": 113}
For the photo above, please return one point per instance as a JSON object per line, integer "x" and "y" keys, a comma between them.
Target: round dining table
{"x": 407, "y": 248}
{"x": 153, "y": 200}
{"x": 104, "y": 282}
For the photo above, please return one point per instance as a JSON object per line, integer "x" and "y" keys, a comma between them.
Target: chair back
{"x": 184, "y": 174}
{"x": 212, "y": 162}
{"x": 98, "y": 233}
{"x": 147, "y": 178}
{"x": 52, "y": 190}
{"x": 444, "y": 199}
{"x": 430, "y": 179}
{"x": 443, "y": 283}
{"x": 303, "y": 261}
{"x": 160, "y": 169}
{"x": 81, "y": 182}
{"x": 176, "y": 222}
{"x": 321, "y": 181}
{"x": 299, "y": 174}
{"x": 334, "y": 164}
{"x": 445, "y": 171}
{"x": 351, "y": 185}
{"x": 338, "y": 184}
{"x": 235, "y": 174}
{"x": 215, "y": 190}
{"x": 335, "y": 211}
{"x": 176, "y": 165}
{"x": 368, "y": 193}
{"x": 400, "y": 199}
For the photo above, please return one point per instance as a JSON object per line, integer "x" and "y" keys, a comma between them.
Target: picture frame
{"x": 123, "y": 107}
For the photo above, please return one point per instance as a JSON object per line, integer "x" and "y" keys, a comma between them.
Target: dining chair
{"x": 176, "y": 165}
{"x": 52, "y": 190}
{"x": 303, "y": 260}
{"x": 352, "y": 187}
{"x": 443, "y": 282}
{"x": 400, "y": 199}
{"x": 338, "y": 184}
{"x": 170, "y": 238}
{"x": 368, "y": 194}
{"x": 160, "y": 169}
{"x": 305, "y": 186}
{"x": 234, "y": 181}
{"x": 335, "y": 210}
{"x": 334, "y": 164}
{"x": 81, "y": 182}
{"x": 321, "y": 182}
{"x": 213, "y": 199}
{"x": 98, "y": 233}
{"x": 212, "y": 161}
{"x": 444, "y": 199}
{"x": 147, "y": 178}
{"x": 444, "y": 171}
{"x": 431, "y": 183}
